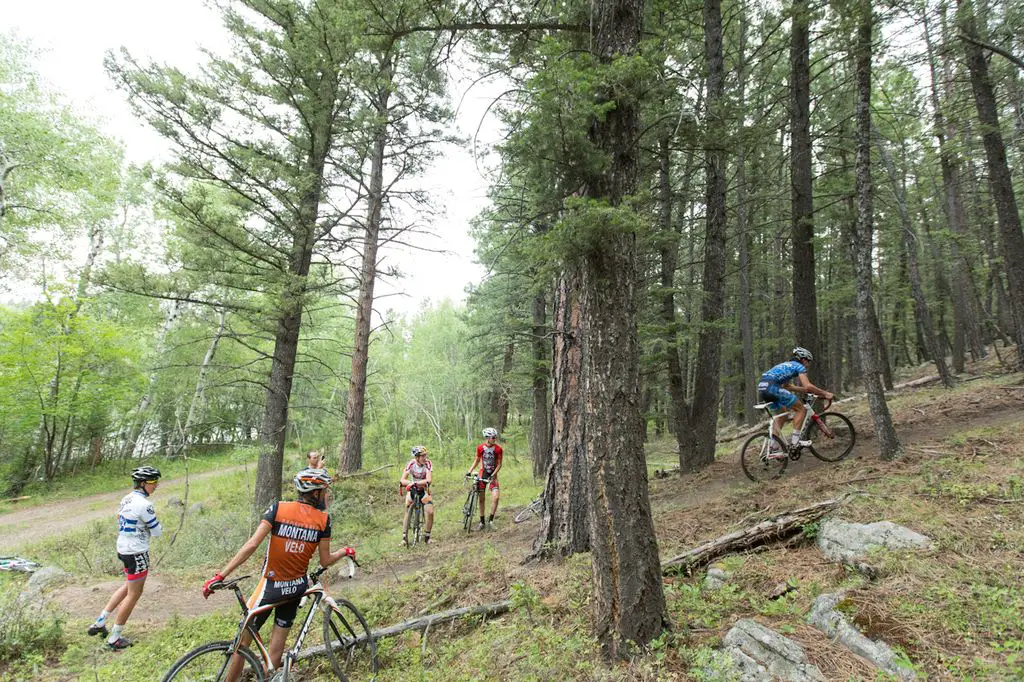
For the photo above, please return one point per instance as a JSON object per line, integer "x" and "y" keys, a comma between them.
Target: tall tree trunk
{"x": 805, "y": 299}
{"x": 196, "y": 403}
{"x": 888, "y": 443}
{"x": 540, "y": 430}
{"x": 748, "y": 370}
{"x": 139, "y": 420}
{"x": 352, "y": 443}
{"x": 699, "y": 449}
{"x": 566, "y": 521}
{"x": 921, "y": 312}
{"x": 629, "y": 603}
{"x": 668, "y": 248}
{"x": 999, "y": 178}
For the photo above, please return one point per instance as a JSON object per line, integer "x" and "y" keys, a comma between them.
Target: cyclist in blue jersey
{"x": 778, "y": 385}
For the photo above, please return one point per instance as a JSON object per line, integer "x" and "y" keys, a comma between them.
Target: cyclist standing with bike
{"x": 777, "y": 387}
{"x": 136, "y": 524}
{"x": 297, "y": 530}
{"x": 488, "y": 459}
{"x": 416, "y": 480}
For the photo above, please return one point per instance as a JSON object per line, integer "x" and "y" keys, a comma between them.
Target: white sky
{"x": 74, "y": 36}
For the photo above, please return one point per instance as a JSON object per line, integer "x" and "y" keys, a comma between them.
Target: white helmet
{"x": 490, "y": 433}
{"x": 308, "y": 480}
{"x": 801, "y": 353}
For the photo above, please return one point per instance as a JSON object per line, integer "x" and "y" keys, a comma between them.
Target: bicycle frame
{"x": 811, "y": 418}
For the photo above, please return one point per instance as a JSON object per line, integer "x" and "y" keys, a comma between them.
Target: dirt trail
{"x": 166, "y": 597}
{"x": 33, "y": 524}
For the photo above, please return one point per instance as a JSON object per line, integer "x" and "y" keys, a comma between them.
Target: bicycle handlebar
{"x": 352, "y": 563}
{"x": 228, "y": 584}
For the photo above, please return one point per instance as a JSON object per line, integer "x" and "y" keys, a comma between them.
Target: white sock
{"x": 115, "y": 634}
{"x": 796, "y": 438}
{"x": 103, "y": 617}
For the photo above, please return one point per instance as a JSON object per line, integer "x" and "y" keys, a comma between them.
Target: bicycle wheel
{"x": 417, "y": 521}
{"x": 835, "y": 441}
{"x": 349, "y": 643}
{"x": 531, "y": 510}
{"x": 467, "y": 510}
{"x": 755, "y": 461}
{"x": 209, "y": 663}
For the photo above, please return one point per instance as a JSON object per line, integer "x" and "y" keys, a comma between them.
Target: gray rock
{"x": 826, "y": 618}
{"x": 762, "y": 655}
{"x": 196, "y": 508}
{"x": 850, "y": 543}
{"x": 716, "y": 577}
{"x": 45, "y": 577}
{"x": 175, "y": 501}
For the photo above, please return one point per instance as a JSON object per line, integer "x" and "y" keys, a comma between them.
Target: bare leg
{"x": 134, "y": 591}
{"x": 495, "y": 496}
{"x": 799, "y": 414}
{"x": 116, "y": 598}
{"x": 429, "y": 511}
{"x": 278, "y": 637}
{"x": 480, "y": 495}
{"x": 235, "y": 668}
{"x": 405, "y": 523}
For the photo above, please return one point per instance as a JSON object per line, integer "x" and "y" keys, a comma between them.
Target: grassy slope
{"x": 958, "y": 612}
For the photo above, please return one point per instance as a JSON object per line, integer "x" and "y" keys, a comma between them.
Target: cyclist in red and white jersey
{"x": 488, "y": 460}
{"x": 416, "y": 479}
{"x": 136, "y": 524}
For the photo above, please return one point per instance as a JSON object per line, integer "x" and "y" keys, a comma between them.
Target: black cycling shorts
{"x": 136, "y": 566}
{"x": 285, "y": 593}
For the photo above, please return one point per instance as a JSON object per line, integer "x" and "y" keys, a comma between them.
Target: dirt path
{"x": 166, "y": 597}
{"x": 37, "y": 523}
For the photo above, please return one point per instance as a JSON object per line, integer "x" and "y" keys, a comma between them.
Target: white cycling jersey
{"x": 136, "y": 522}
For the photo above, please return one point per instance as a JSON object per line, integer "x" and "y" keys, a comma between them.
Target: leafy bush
{"x": 28, "y": 632}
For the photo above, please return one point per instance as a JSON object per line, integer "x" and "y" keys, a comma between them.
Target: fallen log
{"x": 775, "y": 529}
{"x": 422, "y": 623}
{"x": 923, "y": 381}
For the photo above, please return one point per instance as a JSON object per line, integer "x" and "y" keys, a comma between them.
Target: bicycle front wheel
{"x": 531, "y": 510}
{"x": 467, "y": 511}
{"x": 417, "y": 522}
{"x": 755, "y": 459}
{"x": 210, "y": 662}
{"x": 835, "y": 440}
{"x": 349, "y": 643}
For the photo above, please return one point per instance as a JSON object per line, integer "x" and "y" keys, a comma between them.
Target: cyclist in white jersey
{"x": 416, "y": 479}
{"x": 136, "y": 524}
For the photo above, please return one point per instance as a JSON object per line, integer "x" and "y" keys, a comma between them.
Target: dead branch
{"x": 779, "y": 528}
{"x": 364, "y": 473}
{"x": 423, "y": 623}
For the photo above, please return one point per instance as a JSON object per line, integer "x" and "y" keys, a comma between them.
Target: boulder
{"x": 45, "y": 577}
{"x": 850, "y": 543}
{"x": 833, "y": 623}
{"x": 175, "y": 501}
{"x": 716, "y": 577}
{"x": 762, "y": 655}
{"x": 196, "y": 508}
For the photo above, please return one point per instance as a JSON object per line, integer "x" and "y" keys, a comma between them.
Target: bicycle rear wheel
{"x": 835, "y": 441}
{"x": 756, "y": 463}
{"x": 530, "y": 511}
{"x": 209, "y": 663}
{"x": 349, "y": 643}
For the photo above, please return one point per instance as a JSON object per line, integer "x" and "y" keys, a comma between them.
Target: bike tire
{"x": 529, "y": 512}
{"x": 755, "y": 465}
{"x": 467, "y": 510}
{"x": 417, "y": 521}
{"x": 840, "y": 445}
{"x": 350, "y": 646}
{"x": 209, "y": 662}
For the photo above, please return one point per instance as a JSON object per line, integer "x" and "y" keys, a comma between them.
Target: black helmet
{"x": 145, "y": 474}
{"x": 801, "y": 353}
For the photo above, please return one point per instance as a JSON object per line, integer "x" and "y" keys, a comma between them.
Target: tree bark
{"x": 566, "y": 523}
{"x": 805, "y": 300}
{"x": 888, "y": 443}
{"x": 139, "y": 420}
{"x": 748, "y": 371}
{"x": 999, "y": 178}
{"x": 628, "y": 603}
{"x": 540, "y": 429}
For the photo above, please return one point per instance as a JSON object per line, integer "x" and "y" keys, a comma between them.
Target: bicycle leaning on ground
{"x": 529, "y": 511}
{"x": 478, "y": 487}
{"x": 831, "y": 434}
{"x": 349, "y": 645}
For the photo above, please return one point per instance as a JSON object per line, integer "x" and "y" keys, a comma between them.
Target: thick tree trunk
{"x": 888, "y": 443}
{"x": 540, "y": 430}
{"x": 999, "y": 178}
{"x": 805, "y": 301}
{"x": 352, "y": 443}
{"x": 566, "y": 522}
{"x": 921, "y": 312}
{"x": 699, "y": 450}
{"x": 502, "y": 388}
{"x": 628, "y": 603}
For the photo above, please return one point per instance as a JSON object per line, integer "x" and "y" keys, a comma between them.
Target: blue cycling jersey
{"x": 783, "y": 373}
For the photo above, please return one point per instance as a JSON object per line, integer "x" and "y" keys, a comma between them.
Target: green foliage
{"x": 29, "y": 631}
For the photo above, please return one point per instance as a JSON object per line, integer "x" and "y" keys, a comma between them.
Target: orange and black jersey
{"x": 296, "y": 529}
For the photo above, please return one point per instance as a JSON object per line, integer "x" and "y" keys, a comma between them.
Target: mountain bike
{"x": 16, "y": 563}
{"x": 416, "y": 516}
{"x": 765, "y": 456}
{"x": 347, "y": 640}
{"x": 529, "y": 511}
{"x": 469, "y": 509}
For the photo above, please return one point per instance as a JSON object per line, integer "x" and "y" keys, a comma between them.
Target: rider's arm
{"x": 405, "y": 477}
{"x": 807, "y": 387}
{"x": 476, "y": 463}
{"x": 327, "y": 557}
{"x": 251, "y": 545}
